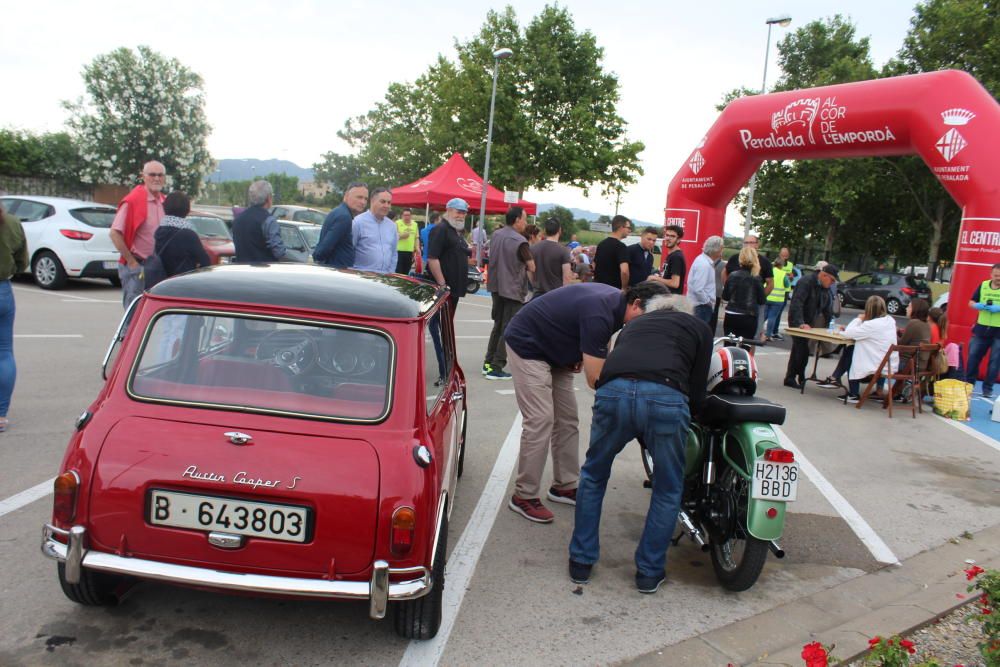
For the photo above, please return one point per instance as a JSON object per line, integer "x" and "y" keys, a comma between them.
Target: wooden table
{"x": 820, "y": 336}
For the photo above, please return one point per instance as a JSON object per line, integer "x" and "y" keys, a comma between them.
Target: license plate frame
{"x": 223, "y": 509}
{"x": 774, "y": 481}
{"x": 108, "y": 265}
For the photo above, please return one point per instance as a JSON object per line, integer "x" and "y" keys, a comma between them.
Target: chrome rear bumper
{"x": 378, "y": 590}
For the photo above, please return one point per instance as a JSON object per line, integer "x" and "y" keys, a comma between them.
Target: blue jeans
{"x": 978, "y": 347}
{"x": 8, "y": 369}
{"x": 625, "y": 409}
{"x": 774, "y": 310}
{"x": 704, "y": 312}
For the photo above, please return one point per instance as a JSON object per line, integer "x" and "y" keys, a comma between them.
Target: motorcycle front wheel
{"x": 738, "y": 561}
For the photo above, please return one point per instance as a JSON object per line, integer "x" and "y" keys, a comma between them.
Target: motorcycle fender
{"x": 754, "y": 438}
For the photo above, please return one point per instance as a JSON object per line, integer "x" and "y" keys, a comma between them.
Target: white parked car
{"x": 298, "y": 214}
{"x": 67, "y": 238}
{"x": 942, "y": 301}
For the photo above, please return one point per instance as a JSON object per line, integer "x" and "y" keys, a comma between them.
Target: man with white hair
{"x": 701, "y": 279}
{"x": 652, "y": 381}
{"x": 135, "y": 224}
{"x": 256, "y": 233}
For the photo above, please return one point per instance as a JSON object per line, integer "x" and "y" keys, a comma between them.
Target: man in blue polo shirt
{"x": 554, "y": 336}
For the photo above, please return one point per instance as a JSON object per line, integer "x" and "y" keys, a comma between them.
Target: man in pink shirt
{"x": 139, "y": 214}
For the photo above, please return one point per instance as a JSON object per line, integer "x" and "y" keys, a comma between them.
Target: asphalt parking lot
{"x": 875, "y": 491}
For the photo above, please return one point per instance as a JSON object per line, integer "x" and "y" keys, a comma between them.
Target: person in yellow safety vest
{"x": 985, "y": 332}
{"x": 777, "y": 298}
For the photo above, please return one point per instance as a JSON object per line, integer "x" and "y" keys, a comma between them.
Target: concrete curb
{"x": 894, "y": 600}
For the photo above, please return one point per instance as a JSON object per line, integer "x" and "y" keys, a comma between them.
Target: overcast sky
{"x": 282, "y": 77}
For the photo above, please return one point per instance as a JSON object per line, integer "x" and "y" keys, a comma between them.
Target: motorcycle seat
{"x": 721, "y": 410}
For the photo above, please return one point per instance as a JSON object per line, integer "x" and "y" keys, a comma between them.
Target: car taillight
{"x": 404, "y": 523}
{"x": 65, "y": 490}
{"x": 76, "y": 235}
{"x": 779, "y": 455}
{"x": 908, "y": 291}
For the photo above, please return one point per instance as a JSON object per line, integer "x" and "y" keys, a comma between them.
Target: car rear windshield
{"x": 95, "y": 217}
{"x": 207, "y": 226}
{"x": 231, "y": 362}
{"x": 917, "y": 284}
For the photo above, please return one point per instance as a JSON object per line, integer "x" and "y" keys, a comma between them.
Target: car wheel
{"x": 95, "y": 589}
{"x": 461, "y": 449}
{"x": 115, "y": 282}
{"x": 894, "y": 306}
{"x": 472, "y": 287}
{"x": 421, "y": 618}
{"x": 48, "y": 271}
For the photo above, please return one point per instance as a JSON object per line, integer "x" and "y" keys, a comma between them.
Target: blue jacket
{"x": 336, "y": 247}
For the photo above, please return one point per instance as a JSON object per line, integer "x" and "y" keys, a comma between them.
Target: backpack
{"x": 152, "y": 267}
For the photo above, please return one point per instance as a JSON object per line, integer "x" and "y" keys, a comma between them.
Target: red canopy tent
{"x": 455, "y": 178}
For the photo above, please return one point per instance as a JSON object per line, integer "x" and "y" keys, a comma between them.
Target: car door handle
{"x": 457, "y": 395}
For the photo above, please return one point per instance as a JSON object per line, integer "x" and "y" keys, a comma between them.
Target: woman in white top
{"x": 874, "y": 332}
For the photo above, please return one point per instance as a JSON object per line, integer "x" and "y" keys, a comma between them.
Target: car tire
{"x": 421, "y": 618}
{"x": 115, "y": 282}
{"x": 95, "y": 589}
{"x": 48, "y": 271}
{"x": 472, "y": 287}
{"x": 894, "y": 306}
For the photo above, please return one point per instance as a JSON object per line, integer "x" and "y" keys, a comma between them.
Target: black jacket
{"x": 809, "y": 299}
{"x": 743, "y": 293}
{"x": 179, "y": 250}
{"x": 248, "y": 236}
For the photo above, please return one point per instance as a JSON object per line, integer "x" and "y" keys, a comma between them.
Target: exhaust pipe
{"x": 776, "y": 549}
{"x": 692, "y": 530}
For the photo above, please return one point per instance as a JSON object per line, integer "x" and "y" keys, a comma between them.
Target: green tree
{"x": 141, "y": 106}
{"x": 52, "y": 155}
{"x": 944, "y": 34}
{"x": 286, "y": 188}
{"x": 555, "y": 118}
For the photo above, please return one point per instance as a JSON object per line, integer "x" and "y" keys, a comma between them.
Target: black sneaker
{"x": 789, "y": 382}
{"x": 778, "y": 337}
{"x": 579, "y": 573}
{"x": 649, "y": 584}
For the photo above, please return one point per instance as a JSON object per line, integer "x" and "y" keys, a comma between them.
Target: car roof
{"x": 296, "y": 223}
{"x": 293, "y": 285}
{"x": 63, "y": 202}
{"x": 206, "y": 214}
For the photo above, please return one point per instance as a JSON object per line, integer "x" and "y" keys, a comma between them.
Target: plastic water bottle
{"x": 832, "y": 328}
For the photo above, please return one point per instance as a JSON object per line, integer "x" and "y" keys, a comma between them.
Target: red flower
{"x": 908, "y": 645}
{"x": 874, "y": 641}
{"x": 814, "y": 654}
{"x": 987, "y": 611}
{"x": 973, "y": 572}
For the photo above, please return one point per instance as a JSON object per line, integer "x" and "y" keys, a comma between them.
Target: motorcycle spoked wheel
{"x": 739, "y": 559}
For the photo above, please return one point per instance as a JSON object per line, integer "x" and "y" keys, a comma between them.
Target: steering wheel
{"x": 293, "y": 351}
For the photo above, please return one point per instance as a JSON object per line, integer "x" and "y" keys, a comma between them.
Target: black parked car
{"x": 896, "y": 288}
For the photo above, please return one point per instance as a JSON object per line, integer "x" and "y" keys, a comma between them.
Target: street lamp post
{"x": 783, "y": 21}
{"x": 498, "y": 55}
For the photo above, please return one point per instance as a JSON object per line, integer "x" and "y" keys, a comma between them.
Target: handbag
{"x": 939, "y": 364}
{"x": 152, "y": 267}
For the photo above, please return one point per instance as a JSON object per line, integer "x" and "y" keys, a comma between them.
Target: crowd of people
{"x": 555, "y": 310}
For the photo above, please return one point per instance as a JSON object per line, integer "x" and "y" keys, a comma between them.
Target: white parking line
{"x": 879, "y": 549}
{"x": 463, "y": 559}
{"x": 26, "y": 497}
{"x": 64, "y": 296}
{"x": 968, "y": 430}
{"x": 48, "y": 335}
{"x": 505, "y": 392}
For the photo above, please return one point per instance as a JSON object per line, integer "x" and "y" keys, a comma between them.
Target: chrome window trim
{"x": 390, "y": 383}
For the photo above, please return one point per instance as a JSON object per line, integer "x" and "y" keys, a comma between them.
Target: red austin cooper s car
{"x": 285, "y": 430}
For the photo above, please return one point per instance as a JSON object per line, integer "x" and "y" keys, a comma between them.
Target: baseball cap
{"x": 458, "y": 204}
{"x": 832, "y": 269}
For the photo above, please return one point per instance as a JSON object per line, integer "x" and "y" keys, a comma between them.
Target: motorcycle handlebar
{"x": 736, "y": 340}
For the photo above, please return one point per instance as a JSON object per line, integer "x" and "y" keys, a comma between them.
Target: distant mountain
{"x": 244, "y": 170}
{"x": 590, "y": 216}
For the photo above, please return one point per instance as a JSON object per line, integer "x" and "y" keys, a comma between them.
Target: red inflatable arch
{"x": 947, "y": 118}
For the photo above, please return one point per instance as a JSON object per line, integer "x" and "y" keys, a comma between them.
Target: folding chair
{"x": 902, "y": 374}
{"x": 925, "y": 370}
